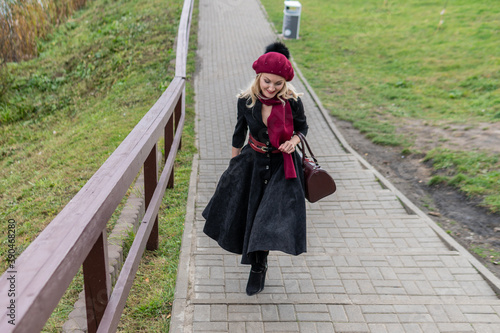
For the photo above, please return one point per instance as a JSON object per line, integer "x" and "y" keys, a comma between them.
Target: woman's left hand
{"x": 287, "y": 147}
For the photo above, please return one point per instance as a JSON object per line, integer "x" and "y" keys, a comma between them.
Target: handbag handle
{"x": 304, "y": 143}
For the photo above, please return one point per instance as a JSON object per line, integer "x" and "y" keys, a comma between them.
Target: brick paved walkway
{"x": 375, "y": 263}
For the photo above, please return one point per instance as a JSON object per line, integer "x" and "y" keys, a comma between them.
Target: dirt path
{"x": 472, "y": 226}
{"x": 482, "y": 136}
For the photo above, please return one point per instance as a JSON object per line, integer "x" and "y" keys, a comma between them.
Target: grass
{"x": 378, "y": 63}
{"x": 475, "y": 173}
{"x": 55, "y": 139}
{"x": 61, "y": 116}
{"x": 491, "y": 255}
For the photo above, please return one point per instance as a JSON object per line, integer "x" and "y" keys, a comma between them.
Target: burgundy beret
{"x": 274, "y": 63}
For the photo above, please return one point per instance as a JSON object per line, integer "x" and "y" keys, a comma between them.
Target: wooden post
{"x": 150, "y": 182}
{"x": 97, "y": 282}
{"x": 169, "y": 139}
{"x": 178, "y": 111}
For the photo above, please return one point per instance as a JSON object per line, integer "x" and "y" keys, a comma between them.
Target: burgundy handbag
{"x": 318, "y": 183}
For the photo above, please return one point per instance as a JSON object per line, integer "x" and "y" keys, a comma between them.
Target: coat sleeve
{"x": 299, "y": 117}
{"x": 241, "y": 128}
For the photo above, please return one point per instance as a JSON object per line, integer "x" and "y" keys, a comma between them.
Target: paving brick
{"x": 210, "y": 327}
{"x": 237, "y": 327}
{"x": 351, "y": 287}
{"x": 218, "y": 312}
{"x": 377, "y": 308}
{"x": 351, "y": 327}
{"x": 379, "y": 328}
{"x": 337, "y": 313}
{"x": 286, "y": 312}
{"x": 455, "y": 327}
{"x": 415, "y": 318}
{"x": 201, "y": 313}
{"x": 486, "y": 328}
{"x": 425, "y": 288}
{"x": 429, "y": 328}
{"x": 270, "y": 312}
{"x": 314, "y": 317}
{"x": 410, "y": 308}
{"x": 412, "y": 328}
{"x": 281, "y": 327}
{"x": 381, "y": 318}
{"x": 306, "y": 286}
{"x": 254, "y": 327}
{"x": 308, "y": 327}
{"x": 482, "y": 318}
{"x": 311, "y": 308}
{"x": 292, "y": 286}
{"x": 244, "y": 313}
{"x": 438, "y": 313}
{"x": 366, "y": 287}
{"x": 395, "y": 328}
{"x": 354, "y": 313}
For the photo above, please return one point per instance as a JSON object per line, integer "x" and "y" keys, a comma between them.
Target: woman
{"x": 259, "y": 202}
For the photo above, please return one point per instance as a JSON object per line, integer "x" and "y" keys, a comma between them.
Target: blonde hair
{"x": 252, "y": 93}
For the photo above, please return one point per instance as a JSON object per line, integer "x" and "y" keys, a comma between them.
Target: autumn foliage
{"x": 23, "y": 22}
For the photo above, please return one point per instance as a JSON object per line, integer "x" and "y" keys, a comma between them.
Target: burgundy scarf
{"x": 280, "y": 129}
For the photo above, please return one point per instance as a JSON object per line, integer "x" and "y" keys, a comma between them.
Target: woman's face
{"x": 270, "y": 84}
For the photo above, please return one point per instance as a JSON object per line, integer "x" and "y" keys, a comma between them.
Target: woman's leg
{"x": 258, "y": 271}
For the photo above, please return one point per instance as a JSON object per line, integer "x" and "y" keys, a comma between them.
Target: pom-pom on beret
{"x": 275, "y": 62}
{"x": 278, "y": 47}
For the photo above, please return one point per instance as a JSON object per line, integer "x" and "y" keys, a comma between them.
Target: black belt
{"x": 261, "y": 147}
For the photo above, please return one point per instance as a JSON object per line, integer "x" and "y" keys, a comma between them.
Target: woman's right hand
{"x": 235, "y": 152}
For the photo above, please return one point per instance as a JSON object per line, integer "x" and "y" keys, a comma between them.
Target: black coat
{"x": 254, "y": 208}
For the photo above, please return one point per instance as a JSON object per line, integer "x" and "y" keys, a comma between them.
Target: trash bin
{"x": 291, "y": 19}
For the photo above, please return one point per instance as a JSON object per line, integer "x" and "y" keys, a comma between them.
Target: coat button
{"x": 267, "y": 155}
{"x": 267, "y": 143}
{"x": 267, "y": 167}
{"x": 265, "y": 181}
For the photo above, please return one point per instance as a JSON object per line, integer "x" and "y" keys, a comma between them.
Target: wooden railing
{"x": 33, "y": 285}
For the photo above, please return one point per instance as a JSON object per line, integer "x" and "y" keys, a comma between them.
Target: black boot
{"x": 257, "y": 276}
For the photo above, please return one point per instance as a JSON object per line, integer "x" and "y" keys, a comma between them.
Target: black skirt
{"x": 254, "y": 208}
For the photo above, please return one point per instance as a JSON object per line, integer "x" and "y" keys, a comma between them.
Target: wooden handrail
{"x": 183, "y": 35}
{"x": 122, "y": 288}
{"x": 76, "y": 236}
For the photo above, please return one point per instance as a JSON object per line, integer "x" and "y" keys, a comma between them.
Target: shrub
{"x": 23, "y": 22}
